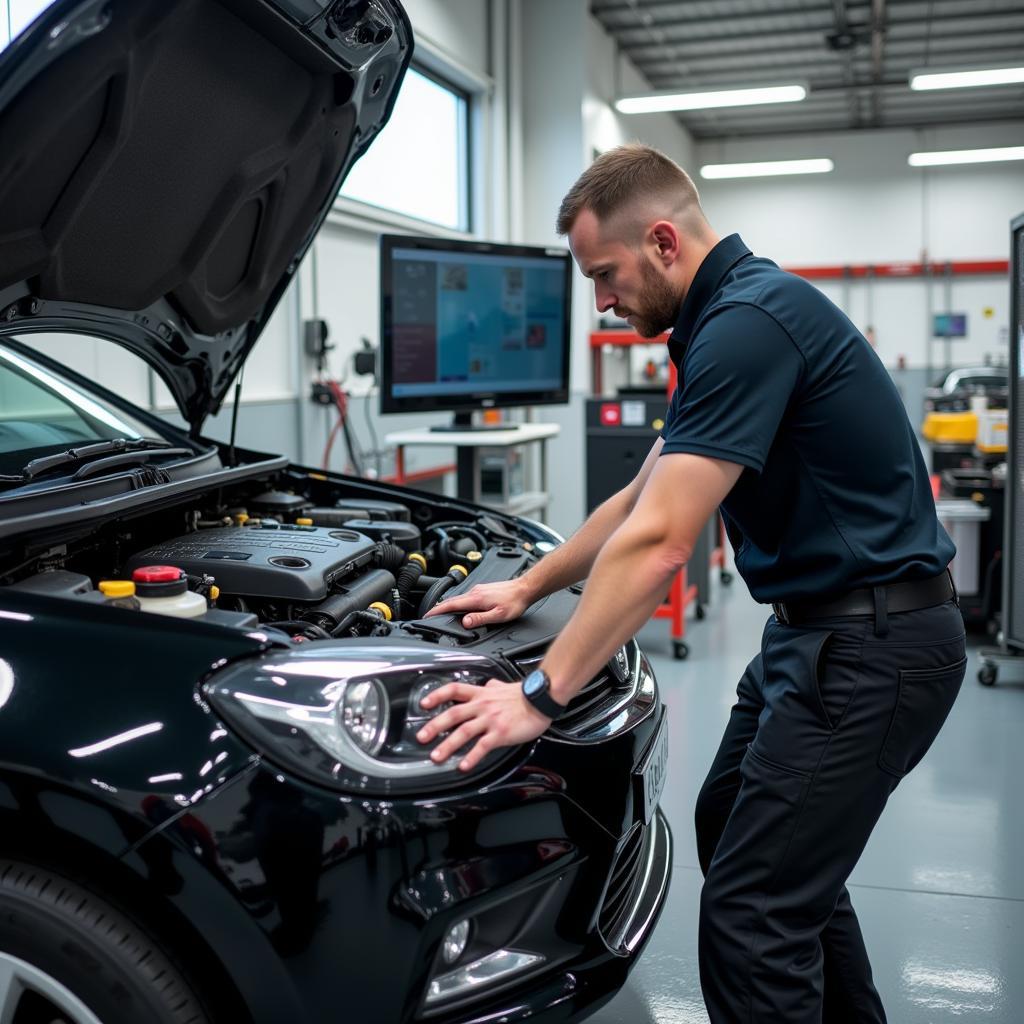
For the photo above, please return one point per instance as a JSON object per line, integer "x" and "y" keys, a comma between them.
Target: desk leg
{"x": 466, "y": 474}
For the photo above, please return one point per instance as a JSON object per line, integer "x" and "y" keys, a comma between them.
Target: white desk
{"x": 469, "y": 445}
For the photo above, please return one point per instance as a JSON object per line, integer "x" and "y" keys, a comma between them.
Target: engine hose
{"x": 454, "y": 576}
{"x": 390, "y": 556}
{"x": 469, "y": 531}
{"x": 444, "y": 555}
{"x": 350, "y": 625}
{"x": 297, "y": 626}
{"x": 424, "y": 583}
{"x": 373, "y": 585}
{"x": 409, "y": 574}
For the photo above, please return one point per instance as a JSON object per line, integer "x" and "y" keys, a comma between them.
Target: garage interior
{"x": 519, "y": 97}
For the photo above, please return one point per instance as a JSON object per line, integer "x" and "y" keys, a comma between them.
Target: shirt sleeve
{"x": 670, "y": 414}
{"x": 739, "y": 375}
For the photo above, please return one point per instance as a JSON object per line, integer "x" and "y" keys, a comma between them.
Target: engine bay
{"x": 296, "y": 553}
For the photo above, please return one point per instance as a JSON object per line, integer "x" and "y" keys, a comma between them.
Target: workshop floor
{"x": 940, "y": 887}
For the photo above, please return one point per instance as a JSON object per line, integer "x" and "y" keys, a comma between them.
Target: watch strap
{"x": 542, "y": 700}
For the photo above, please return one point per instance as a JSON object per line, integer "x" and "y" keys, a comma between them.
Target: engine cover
{"x": 293, "y": 563}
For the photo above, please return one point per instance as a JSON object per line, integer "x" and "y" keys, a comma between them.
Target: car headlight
{"x": 348, "y": 718}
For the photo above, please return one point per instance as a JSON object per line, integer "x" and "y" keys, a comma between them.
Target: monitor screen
{"x": 950, "y": 325}
{"x": 466, "y": 325}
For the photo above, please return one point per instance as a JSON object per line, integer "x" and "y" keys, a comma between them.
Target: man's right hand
{"x": 487, "y": 603}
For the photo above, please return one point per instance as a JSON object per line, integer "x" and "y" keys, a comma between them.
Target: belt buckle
{"x": 780, "y": 612}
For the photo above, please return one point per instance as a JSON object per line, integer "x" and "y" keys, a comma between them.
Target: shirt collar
{"x": 718, "y": 262}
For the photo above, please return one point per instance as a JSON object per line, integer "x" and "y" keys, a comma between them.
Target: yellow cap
{"x": 473, "y": 556}
{"x": 417, "y": 557}
{"x": 316, "y": 476}
{"x": 214, "y": 593}
{"x": 527, "y": 546}
{"x": 459, "y": 568}
{"x": 241, "y": 518}
{"x": 117, "y": 588}
{"x": 303, "y": 521}
{"x": 380, "y": 606}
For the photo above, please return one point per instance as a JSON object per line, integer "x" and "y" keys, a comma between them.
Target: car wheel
{"x": 68, "y": 957}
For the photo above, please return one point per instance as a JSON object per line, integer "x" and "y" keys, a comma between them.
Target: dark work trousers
{"x": 831, "y": 715}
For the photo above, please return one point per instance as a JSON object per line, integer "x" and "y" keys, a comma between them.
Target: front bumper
{"x": 345, "y": 901}
{"x": 581, "y": 987}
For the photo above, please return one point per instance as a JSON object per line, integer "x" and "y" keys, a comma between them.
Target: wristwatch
{"x": 537, "y": 690}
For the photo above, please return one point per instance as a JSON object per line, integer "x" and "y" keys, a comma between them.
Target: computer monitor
{"x": 949, "y": 325}
{"x": 472, "y": 325}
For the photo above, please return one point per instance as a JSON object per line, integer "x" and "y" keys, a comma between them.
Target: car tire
{"x": 65, "y": 945}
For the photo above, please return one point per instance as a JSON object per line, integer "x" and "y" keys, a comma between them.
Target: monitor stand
{"x": 463, "y": 422}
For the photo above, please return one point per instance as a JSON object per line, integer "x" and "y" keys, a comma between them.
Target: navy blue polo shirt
{"x": 834, "y": 494}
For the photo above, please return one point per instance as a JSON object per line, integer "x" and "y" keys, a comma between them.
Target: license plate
{"x": 649, "y": 776}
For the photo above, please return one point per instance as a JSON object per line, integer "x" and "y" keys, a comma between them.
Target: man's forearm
{"x": 610, "y": 612}
{"x": 572, "y": 561}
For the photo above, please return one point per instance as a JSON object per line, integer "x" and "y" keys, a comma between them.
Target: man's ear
{"x": 665, "y": 240}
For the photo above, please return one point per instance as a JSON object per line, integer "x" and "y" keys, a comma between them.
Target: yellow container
{"x": 950, "y": 427}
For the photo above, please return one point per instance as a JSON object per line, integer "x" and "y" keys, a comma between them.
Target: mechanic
{"x": 785, "y": 418}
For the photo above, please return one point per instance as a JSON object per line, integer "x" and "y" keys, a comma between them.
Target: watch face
{"x": 534, "y": 683}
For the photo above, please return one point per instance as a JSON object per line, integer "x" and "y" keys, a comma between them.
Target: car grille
{"x": 620, "y": 896}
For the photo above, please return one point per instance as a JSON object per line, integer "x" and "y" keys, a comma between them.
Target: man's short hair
{"x": 625, "y": 175}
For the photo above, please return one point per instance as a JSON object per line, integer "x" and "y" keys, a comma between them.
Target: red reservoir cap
{"x": 157, "y": 574}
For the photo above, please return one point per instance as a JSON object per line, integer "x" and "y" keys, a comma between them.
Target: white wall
{"x": 459, "y": 28}
{"x": 568, "y": 118}
{"x": 874, "y": 208}
{"x": 609, "y": 75}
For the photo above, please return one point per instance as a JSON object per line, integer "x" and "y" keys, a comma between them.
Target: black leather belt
{"x": 892, "y": 598}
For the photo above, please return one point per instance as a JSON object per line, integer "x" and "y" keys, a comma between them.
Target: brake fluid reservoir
{"x": 164, "y": 589}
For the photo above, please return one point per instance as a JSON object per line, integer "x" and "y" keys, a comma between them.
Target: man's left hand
{"x": 495, "y": 715}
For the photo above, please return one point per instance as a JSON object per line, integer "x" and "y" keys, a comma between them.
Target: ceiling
{"x": 855, "y": 55}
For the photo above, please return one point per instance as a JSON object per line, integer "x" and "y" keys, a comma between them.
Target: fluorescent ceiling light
{"x": 655, "y": 102}
{"x": 964, "y": 79}
{"x": 767, "y": 168}
{"x": 966, "y": 156}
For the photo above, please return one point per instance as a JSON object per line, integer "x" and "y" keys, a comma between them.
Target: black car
{"x": 212, "y": 805}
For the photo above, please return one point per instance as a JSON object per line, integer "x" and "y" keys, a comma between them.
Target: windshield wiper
{"x": 74, "y": 456}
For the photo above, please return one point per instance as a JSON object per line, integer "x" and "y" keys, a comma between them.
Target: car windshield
{"x": 41, "y": 413}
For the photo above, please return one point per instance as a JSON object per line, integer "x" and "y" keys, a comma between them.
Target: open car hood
{"x": 166, "y": 164}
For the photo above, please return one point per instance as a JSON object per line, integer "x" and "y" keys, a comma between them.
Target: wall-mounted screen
{"x": 950, "y": 325}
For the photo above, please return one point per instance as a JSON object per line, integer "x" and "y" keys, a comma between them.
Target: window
{"x": 419, "y": 164}
{"x": 16, "y": 15}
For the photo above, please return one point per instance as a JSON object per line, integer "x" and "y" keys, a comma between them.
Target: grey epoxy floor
{"x": 940, "y": 888}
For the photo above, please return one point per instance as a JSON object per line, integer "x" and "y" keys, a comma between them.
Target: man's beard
{"x": 658, "y": 302}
